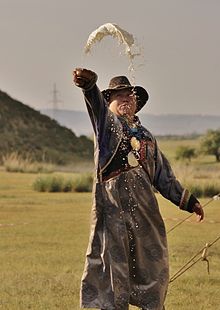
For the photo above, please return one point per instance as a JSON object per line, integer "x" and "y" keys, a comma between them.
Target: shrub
{"x": 41, "y": 184}
{"x": 83, "y": 183}
{"x": 68, "y": 185}
{"x": 55, "y": 184}
{"x": 52, "y": 184}
{"x": 58, "y": 183}
{"x": 185, "y": 153}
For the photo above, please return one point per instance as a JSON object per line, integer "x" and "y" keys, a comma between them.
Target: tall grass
{"x": 60, "y": 183}
{"x": 202, "y": 181}
{"x": 83, "y": 183}
{"x": 203, "y": 189}
{"x": 13, "y": 162}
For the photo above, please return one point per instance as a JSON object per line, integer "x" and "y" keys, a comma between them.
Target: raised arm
{"x": 95, "y": 102}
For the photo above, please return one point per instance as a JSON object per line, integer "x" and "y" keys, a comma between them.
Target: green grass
{"x": 41, "y": 261}
{"x": 201, "y": 175}
{"x": 195, "y": 288}
{"x": 44, "y": 238}
{"x": 59, "y": 183}
{"x": 169, "y": 148}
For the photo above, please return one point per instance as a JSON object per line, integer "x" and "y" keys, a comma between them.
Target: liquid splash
{"x": 125, "y": 38}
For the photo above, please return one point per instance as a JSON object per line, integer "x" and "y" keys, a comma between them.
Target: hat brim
{"x": 140, "y": 92}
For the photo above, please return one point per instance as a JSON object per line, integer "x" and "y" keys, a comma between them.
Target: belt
{"x": 140, "y": 158}
{"x": 115, "y": 173}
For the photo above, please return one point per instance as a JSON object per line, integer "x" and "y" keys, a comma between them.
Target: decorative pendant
{"x": 135, "y": 144}
{"x": 132, "y": 160}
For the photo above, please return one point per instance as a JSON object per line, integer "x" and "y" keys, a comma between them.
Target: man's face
{"x": 123, "y": 102}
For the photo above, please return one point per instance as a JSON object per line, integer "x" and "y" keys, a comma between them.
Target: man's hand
{"x": 84, "y": 78}
{"x": 197, "y": 208}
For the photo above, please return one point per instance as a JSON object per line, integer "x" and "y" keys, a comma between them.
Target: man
{"x": 127, "y": 258}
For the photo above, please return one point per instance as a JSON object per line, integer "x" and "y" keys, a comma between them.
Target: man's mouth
{"x": 123, "y": 105}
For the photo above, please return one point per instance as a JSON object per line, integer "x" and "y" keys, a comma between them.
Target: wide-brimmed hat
{"x": 122, "y": 82}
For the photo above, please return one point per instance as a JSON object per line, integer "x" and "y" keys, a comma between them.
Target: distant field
{"x": 44, "y": 238}
{"x": 169, "y": 147}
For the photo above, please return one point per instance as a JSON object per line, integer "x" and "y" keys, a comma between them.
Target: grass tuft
{"x": 58, "y": 183}
{"x": 83, "y": 183}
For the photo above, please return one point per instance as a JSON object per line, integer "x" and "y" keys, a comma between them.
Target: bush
{"x": 185, "y": 153}
{"x": 51, "y": 184}
{"x": 68, "y": 186}
{"x": 41, "y": 184}
{"x": 58, "y": 183}
{"x": 55, "y": 184}
{"x": 83, "y": 183}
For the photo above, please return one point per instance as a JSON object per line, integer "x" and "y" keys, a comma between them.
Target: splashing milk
{"x": 122, "y": 36}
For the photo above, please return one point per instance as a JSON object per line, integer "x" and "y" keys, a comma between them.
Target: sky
{"x": 42, "y": 41}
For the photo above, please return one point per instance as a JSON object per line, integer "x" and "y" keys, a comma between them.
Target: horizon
{"x": 85, "y": 111}
{"x": 161, "y": 114}
{"x": 159, "y": 124}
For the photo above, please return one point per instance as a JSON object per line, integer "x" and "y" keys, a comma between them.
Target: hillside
{"x": 169, "y": 124}
{"x": 30, "y": 133}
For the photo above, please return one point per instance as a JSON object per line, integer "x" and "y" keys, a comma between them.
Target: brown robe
{"x": 127, "y": 257}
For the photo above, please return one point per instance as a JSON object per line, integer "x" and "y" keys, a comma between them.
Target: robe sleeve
{"x": 169, "y": 187}
{"x": 97, "y": 109}
{"x": 107, "y": 127}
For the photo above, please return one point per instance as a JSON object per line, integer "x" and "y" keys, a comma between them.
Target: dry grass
{"x": 44, "y": 238}
{"x": 13, "y": 162}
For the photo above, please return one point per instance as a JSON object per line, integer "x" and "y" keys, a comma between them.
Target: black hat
{"x": 122, "y": 82}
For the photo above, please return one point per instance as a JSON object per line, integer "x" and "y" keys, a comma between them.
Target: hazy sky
{"x": 41, "y": 41}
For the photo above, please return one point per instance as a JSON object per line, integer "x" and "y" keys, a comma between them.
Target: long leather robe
{"x": 127, "y": 257}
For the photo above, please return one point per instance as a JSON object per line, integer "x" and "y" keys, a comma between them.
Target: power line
{"x": 55, "y": 99}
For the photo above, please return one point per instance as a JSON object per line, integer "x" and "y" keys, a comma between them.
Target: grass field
{"x": 44, "y": 237}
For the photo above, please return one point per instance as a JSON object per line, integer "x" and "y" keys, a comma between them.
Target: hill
{"x": 158, "y": 124}
{"x": 30, "y": 133}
